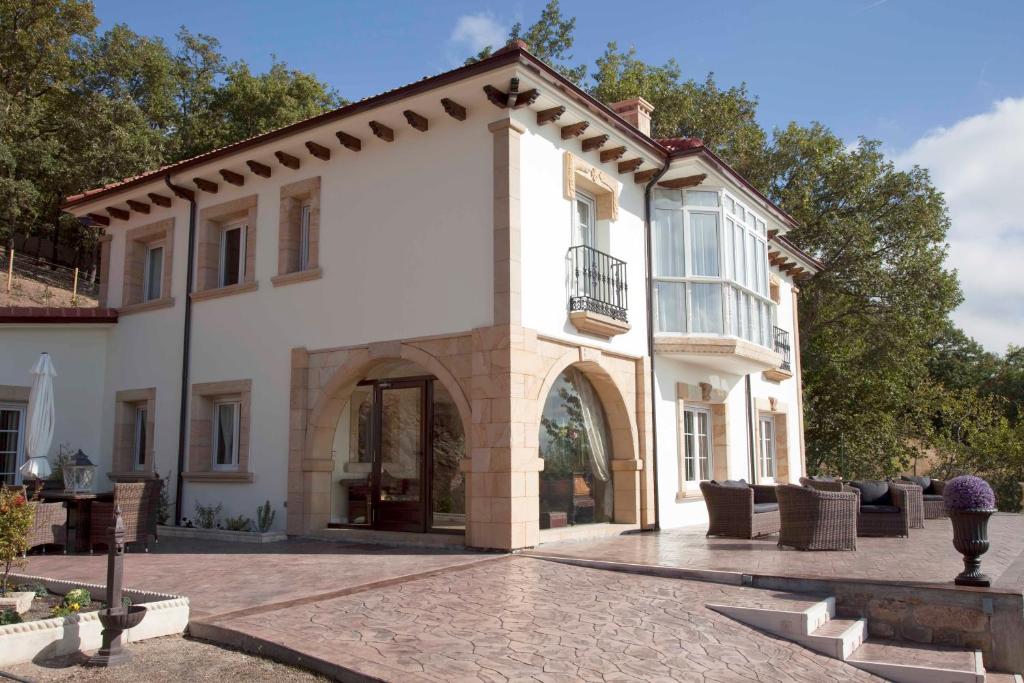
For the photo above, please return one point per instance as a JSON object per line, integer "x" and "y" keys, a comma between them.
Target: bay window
{"x": 710, "y": 266}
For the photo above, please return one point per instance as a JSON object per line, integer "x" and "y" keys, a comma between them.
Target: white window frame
{"x": 305, "y": 211}
{"x": 747, "y": 223}
{"x": 577, "y": 224}
{"x": 233, "y": 463}
{"x": 19, "y": 450}
{"x": 689, "y": 441}
{"x": 221, "y": 272}
{"x": 140, "y": 438}
{"x": 768, "y": 448}
{"x": 147, "y": 293}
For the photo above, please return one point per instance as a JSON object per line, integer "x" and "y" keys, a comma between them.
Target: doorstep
{"x": 585, "y": 532}
{"x": 377, "y": 537}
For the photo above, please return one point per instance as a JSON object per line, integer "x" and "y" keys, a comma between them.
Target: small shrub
{"x": 79, "y": 595}
{"x": 265, "y": 517}
{"x": 968, "y": 493}
{"x": 64, "y": 454}
{"x": 73, "y": 602}
{"x": 207, "y": 515}
{"x": 239, "y": 523}
{"x": 16, "y": 517}
{"x": 9, "y": 616}
{"x": 37, "y": 588}
{"x": 163, "y": 505}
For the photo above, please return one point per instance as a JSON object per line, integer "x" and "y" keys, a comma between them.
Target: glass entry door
{"x": 398, "y": 496}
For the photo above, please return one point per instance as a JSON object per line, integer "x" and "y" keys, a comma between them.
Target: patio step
{"x": 811, "y": 622}
{"x": 918, "y": 663}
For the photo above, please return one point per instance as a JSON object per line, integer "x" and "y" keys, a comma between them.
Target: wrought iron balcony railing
{"x": 782, "y": 347}
{"x": 598, "y": 283}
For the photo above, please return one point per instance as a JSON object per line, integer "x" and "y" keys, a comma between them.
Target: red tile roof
{"x": 54, "y": 315}
{"x": 676, "y": 144}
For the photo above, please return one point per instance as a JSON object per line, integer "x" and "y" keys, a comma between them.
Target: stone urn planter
{"x": 19, "y": 601}
{"x": 970, "y": 502}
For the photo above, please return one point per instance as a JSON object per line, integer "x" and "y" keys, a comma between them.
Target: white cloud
{"x": 474, "y": 32}
{"x": 978, "y": 163}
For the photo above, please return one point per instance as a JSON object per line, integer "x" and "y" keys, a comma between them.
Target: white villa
{"x": 483, "y": 303}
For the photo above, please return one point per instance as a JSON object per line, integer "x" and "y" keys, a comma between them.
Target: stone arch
{"x": 331, "y": 400}
{"x": 626, "y": 458}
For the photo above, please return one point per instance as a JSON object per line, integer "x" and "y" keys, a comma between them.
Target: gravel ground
{"x": 173, "y": 658}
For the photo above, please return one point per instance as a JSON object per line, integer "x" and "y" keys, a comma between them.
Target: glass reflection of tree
{"x": 568, "y": 448}
{"x": 449, "y": 449}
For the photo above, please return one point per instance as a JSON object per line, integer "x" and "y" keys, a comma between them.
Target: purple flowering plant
{"x": 969, "y": 493}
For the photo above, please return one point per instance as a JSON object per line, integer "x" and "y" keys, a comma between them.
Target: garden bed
{"x": 41, "y": 636}
{"x": 222, "y": 534}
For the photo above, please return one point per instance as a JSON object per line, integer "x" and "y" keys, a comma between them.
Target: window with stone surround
{"x": 773, "y": 415}
{"x": 226, "y": 248}
{"x": 134, "y": 413}
{"x": 148, "y": 260}
{"x": 298, "y": 251}
{"x": 219, "y": 432}
{"x": 703, "y": 437}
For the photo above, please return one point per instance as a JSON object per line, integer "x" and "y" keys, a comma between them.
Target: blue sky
{"x": 920, "y": 75}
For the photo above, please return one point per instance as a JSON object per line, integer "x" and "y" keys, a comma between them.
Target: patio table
{"x": 78, "y": 514}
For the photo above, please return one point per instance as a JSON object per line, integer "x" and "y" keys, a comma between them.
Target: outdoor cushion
{"x": 822, "y": 477}
{"x": 765, "y": 507}
{"x": 924, "y": 482}
{"x": 873, "y": 492}
{"x": 734, "y": 483}
{"x": 932, "y": 496}
{"x": 879, "y": 508}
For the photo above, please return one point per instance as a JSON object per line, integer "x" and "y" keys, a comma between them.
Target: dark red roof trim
{"x": 53, "y": 315}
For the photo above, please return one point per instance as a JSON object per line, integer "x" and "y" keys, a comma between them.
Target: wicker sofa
{"x": 931, "y": 489}
{"x": 822, "y": 483}
{"x": 738, "y": 510}
{"x": 138, "y": 503}
{"x": 817, "y": 520}
{"x": 883, "y": 509}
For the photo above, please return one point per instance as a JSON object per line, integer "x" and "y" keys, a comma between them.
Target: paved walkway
{"x": 926, "y": 558}
{"x": 416, "y": 615}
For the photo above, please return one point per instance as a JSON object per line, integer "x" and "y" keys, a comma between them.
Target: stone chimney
{"x": 636, "y": 111}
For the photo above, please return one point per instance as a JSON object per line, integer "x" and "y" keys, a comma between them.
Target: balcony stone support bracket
{"x": 777, "y": 375}
{"x": 598, "y": 325}
{"x": 604, "y": 186}
{"x": 726, "y": 354}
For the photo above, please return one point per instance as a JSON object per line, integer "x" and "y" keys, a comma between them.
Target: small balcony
{"x": 597, "y": 292}
{"x": 785, "y": 370}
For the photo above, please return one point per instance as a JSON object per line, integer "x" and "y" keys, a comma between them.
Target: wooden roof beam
{"x": 141, "y": 207}
{"x": 613, "y": 154}
{"x": 232, "y": 177}
{"x": 287, "y": 160}
{"x": 546, "y": 116}
{"x": 417, "y": 121}
{"x": 596, "y": 142}
{"x": 642, "y": 177}
{"x": 206, "y": 185}
{"x": 525, "y": 99}
{"x": 630, "y": 165}
{"x": 453, "y": 109}
{"x": 318, "y": 150}
{"x": 574, "y": 130}
{"x": 513, "y": 93}
{"x": 120, "y": 214}
{"x": 382, "y": 131}
{"x": 349, "y": 142}
{"x": 680, "y": 183}
{"x": 262, "y": 170}
{"x": 159, "y": 199}
{"x": 499, "y": 98}
{"x": 98, "y": 218}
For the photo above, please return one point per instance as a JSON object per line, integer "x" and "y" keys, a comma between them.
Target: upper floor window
{"x": 586, "y": 221}
{"x": 154, "y": 272}
{"x": 304, "y": 214}
{"x": 232, "y": 255}
{"x": 710, "y": 266}
{"x": 226, "y": 416}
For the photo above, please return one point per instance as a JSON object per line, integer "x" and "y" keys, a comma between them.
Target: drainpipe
{"x": 650, "y": 335}
{"x": 750, "y": 431}
{"x": 186, "y": 350}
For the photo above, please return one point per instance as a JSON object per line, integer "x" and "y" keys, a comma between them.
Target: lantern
{"x": 79, "y": 473}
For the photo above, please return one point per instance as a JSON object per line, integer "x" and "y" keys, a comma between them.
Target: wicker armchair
{"x": 49, "y": 526}
{"x": 931, "y": 493}
{"x": 740, "y": 511}
{"x": 817, "y": 520}
{"x": 138, "y": 503}
{"x": 915, "y": 502}
{"x": 888, "y": 516}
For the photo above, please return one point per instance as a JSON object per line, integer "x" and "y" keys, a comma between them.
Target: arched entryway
{"x": 384, "y": 444}
{"x": 576, "y": 484}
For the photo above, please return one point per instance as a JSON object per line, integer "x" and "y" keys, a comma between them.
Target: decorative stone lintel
{"x": 777, "y": 375}
{"x": 604, "y": 186}
{"x": 599, "y": 325}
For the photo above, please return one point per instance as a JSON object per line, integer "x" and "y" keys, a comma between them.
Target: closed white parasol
{"x": 39, "y": 433}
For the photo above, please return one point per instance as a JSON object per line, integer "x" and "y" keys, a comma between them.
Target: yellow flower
{"x": 75, "y": 606}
